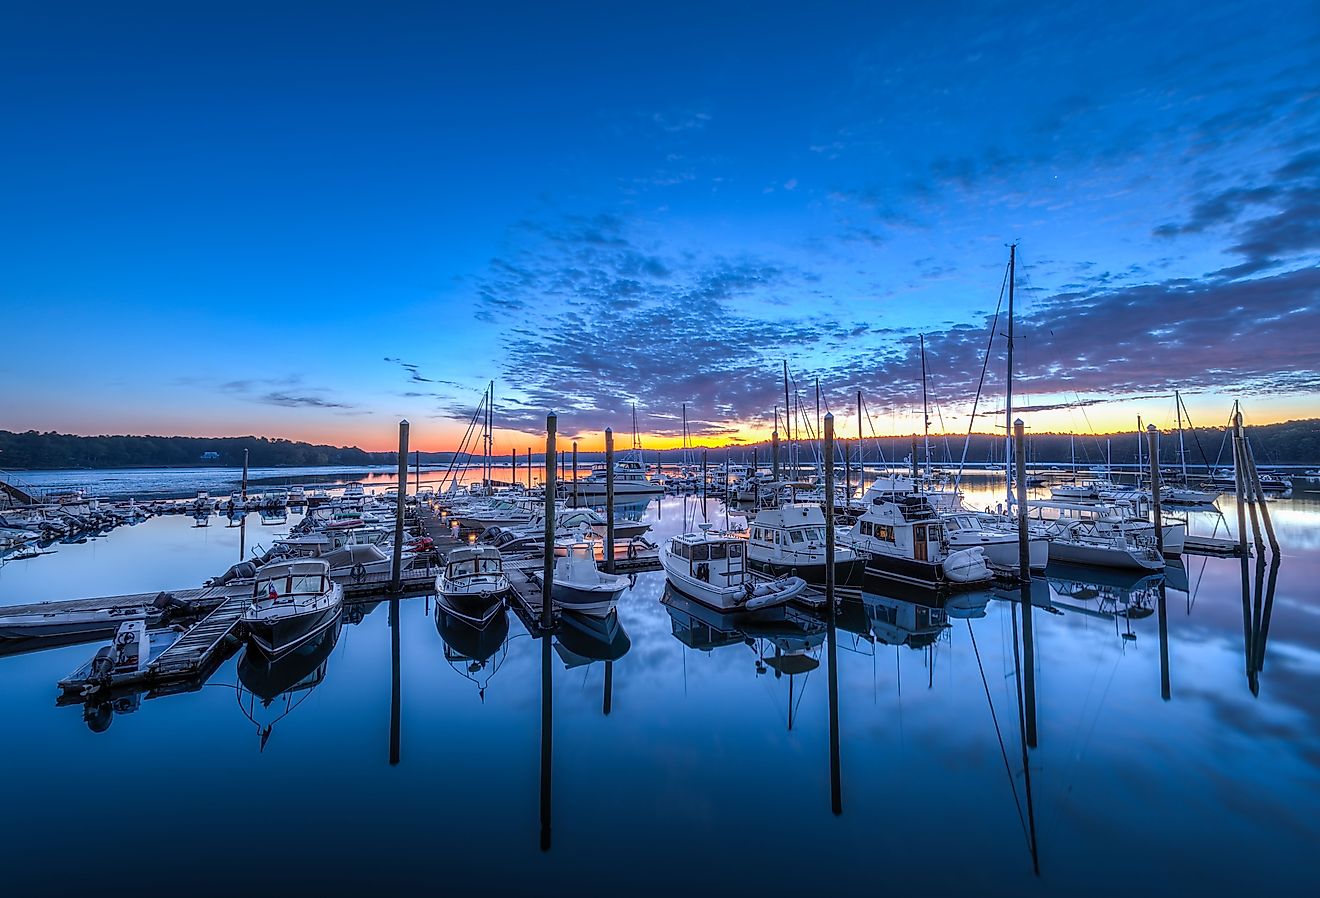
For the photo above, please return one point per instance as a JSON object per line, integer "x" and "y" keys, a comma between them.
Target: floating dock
{"x": 1221, "y": 546}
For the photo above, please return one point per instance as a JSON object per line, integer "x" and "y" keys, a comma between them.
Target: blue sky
{"x": 308, "y": 220}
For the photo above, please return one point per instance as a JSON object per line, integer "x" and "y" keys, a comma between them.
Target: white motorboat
{"x": 1102, "y": 518}
{"x": 579, "y": 585}
{"x": 712, "y": 569}
{"x": 1075, "y": 542}
{"x": 790, "y": 539}
{"x": 292, "y": 602}
{"x": 58, "y": 623}
{"x": 473, "y": 583}
{"x": 905, "y": 541}
{"x": 998, "y": 541}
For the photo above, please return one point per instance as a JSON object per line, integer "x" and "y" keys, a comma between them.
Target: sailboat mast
{"x": 925, "y": 408}
{"x": 1140, "y": 436}
{"x": 788, "y": 414}
{"x": 861, "y": 448}
{"x": 490, "y": 420}
{"x": 1182, "y": 451}
{"x": 1008, "y": 404}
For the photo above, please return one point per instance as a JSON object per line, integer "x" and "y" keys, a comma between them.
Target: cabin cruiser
{"x": 996, "y": 538}
{"x": 579, "y": 585}
{"x": 629, "y": 479}
{"x": 292, "y": 602}
{"x": 791, "y": 540}
{"x": 711, "y": 568}
{"x": 473, "y": 582}
{"x": 354, "y": 492}
{"x": 905, "y": 540}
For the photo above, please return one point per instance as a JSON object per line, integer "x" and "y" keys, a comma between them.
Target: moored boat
{"x": 292, "y": 602}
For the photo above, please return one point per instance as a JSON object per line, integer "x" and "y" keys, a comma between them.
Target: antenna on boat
{"x": 925, "y": 408}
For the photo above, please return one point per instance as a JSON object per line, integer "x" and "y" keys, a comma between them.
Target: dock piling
{"x": 396, "y": 572}
{"x": 548, "y": 569}
{"x": 1151, "y": 436}
{"x": 609, "y": 500}
{"x": 1024, "y": 544}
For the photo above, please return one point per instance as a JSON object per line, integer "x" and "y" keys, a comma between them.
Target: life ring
{"x": 358, "y": 572}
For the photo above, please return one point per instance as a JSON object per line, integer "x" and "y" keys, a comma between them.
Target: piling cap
{"x": 609, "y": 430}
{"x": 404, "y": 421}
{"x": 1018, "y": 423}
{"x": 1150, "y": 428}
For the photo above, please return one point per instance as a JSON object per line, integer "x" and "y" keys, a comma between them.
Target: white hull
{"x": 589, "y": 488}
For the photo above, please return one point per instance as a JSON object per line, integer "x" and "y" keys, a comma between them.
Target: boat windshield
{"x": 806, "y": 534}
{"x": 297, "y": 585}
{"x": 472, "y": 566}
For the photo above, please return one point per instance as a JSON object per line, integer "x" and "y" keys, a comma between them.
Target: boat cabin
{"x": 715, "y": 559}
{"x": 283, "y": 580}
{"x": 906, "y": 526}
{"x": 473, "y": 561}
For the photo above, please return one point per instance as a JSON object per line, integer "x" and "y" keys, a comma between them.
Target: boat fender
{"x": 359, "y": 572}
{"x": 632, "y": 551}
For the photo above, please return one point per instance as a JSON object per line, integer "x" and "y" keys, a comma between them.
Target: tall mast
{"x": 1141, "y": 435}
{"x": 861, "y": 448}
{"x": 788, "y": 414}
{"x": 490, "y": 422}
{"x": 637, "y": 444}
{"x": 1008, "y": 405}
{"x": 925, "y": 411}
{"x": 1182, "y": 451}
{"x": 686, "y": 460}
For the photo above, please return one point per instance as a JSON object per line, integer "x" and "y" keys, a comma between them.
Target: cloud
{"x": 291, "y": 400}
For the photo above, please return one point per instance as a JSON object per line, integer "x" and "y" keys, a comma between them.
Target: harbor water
{"x": 1146, "y": 735}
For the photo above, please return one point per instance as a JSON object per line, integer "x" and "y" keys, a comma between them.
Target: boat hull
{"x": 884, "y": 569}
{"x": 846, "y": 573}
{"x": 282, "y": 635}
{"x": 1102, "y": 556}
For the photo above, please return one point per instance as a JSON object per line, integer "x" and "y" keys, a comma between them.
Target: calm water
{"x": 407, "y": 767}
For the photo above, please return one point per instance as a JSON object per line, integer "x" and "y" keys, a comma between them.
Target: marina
{"x": 630, "y": 450}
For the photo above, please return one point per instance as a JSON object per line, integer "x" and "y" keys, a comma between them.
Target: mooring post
{"x": 608, "y": 697}
{"x": 1151, "y": 436}
{"x": 836, "y": 791}
{"x": 774, "y": 455}
{"x": 1024, "y": 542}
{"x": 915, "y": 473}
{"x": 396, "y": 572}
{"x": 529, "y": 469}
{"x": 1239, "y": 481}
{"x": 417, "y": 471}
{"x": 829, "y": 509}
{"x": 548, "y": 569}
{"x": 513, "y": 477}
{"x": 245, "y": 477}
{"x": 575, "y": 470}
{"x": 1260, "y": 495}
{"x": 396, "y": 713}
{"x": 609, "y": 499}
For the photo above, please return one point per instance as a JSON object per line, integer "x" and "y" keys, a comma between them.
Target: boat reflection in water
{"x": 475, "y": 647}
{"x": 584, "y": 638}
{"x": 783, "y": 638}
{"x": 1117, "y": 595}
{"x": 269, "y": 690}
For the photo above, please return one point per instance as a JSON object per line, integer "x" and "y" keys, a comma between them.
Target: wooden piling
{"x": 1260, "y": 495}
{"x": 575, "y": 475}
{"x": 1024, "y": 542}
{"x": 548, "y": 569}
{"x": 1239, "y": 481}
{"x": 396, "y": 572}
{"x": 1152, "y": 452}
{"x": 609, "y": 500}
{"x": 836, "y": 789}
{"x": 245, "y": 477}
{"x": 529, "y": 468}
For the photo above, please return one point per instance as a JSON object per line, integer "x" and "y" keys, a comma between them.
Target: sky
{"x": 311, "y": 220}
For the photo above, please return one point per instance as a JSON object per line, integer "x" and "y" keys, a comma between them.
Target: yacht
{"x": 473, "y": 583}
{"x": 1102, "y": 518}
{"x": 791, "y": 540}
{"x": 292, "y": 602}
{"x": 905, "y": 540}
{"x": 1075, "y": 542}
{"x": 711, "y": 568}
{"x": 630, "y": 480}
